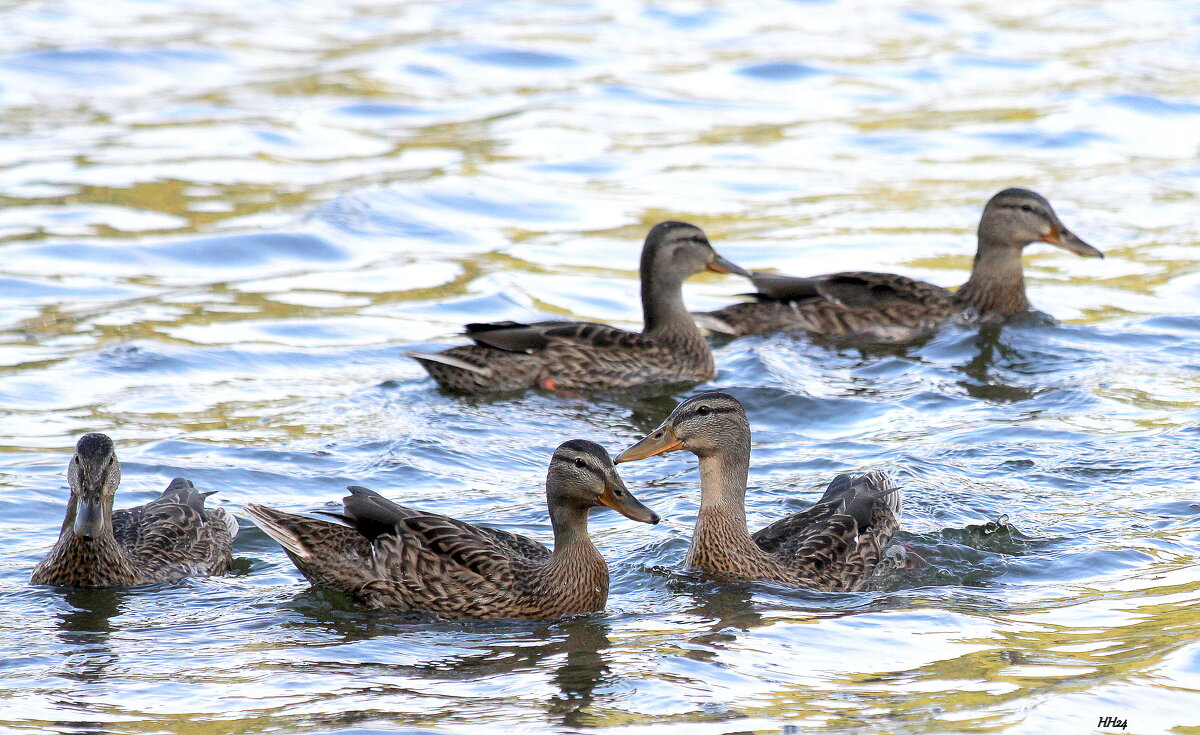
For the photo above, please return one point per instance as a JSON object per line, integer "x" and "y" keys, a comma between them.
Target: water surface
{"x": 223, "y": 223}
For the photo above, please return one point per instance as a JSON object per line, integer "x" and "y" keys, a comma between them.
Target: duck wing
{"x": 436, "y": 563}
{"x": 878, "y": 307}
{"x": 374, "y": 515}
{"x": 174, "y": 535}
{"x": 519, "y": 337}
{"x": 840, "y": 539}
{"x": 855, "y": 290}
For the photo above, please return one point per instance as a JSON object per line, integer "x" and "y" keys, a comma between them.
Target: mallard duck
{"x": 832, "y": 546}
{"x": 884, "y": 307}
{"x": 171, "y": 537}
{"x": 583, "y": 355}
{"x": 387, "y": 556}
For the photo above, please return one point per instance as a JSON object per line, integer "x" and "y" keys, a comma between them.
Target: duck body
{"x": 385, "y": 556}
{"x": 510, "y": 355}
{"x": 171, "y": 537}
{"x": 874, "y": 307}
{"x": 833, "y": 546}
{"x": 889, "y": 308}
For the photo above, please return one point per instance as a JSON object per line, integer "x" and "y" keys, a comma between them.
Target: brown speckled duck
{"x": 386, "y": 556}
{"x": 171, "y": 537}
{"x": 884, "y": 307}
{"x": 583, "y": 355}
{"x": 832, "y": 546}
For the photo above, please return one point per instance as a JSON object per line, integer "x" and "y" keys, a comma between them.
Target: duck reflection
{"x": 726, "y": 606}
{"x": 85, "y": 626}
{"x": 991, "y": 352}
{"x": 572, "y": 649}
{"x": 582, "y": 673}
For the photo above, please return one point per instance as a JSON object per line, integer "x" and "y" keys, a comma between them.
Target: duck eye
{"x": 1026, "y": 208}
{"x": 703, "y": 410}
{"x": 580, "y": 463}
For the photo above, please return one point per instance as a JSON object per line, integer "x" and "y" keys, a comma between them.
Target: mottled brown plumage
{"x": 833, "y": 546}
{"x": 387, "y": 556}
{"x": 585, "y": 355}
{"x": 883, "y": 307}
{"x": 171, "y": 537}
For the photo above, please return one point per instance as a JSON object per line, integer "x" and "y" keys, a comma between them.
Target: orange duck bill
{"x": 661, "y": 440}
{"x": 618, "y": 497}
{"x": 1065, "y": 239}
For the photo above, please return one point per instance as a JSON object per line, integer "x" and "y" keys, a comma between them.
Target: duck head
{"x": 704, "y": 425}
{"x": 1014, "y": 218}
{"x": 93, "y": 475}
{"x": 682, "y": 250}
{"x": 582, "y": 474}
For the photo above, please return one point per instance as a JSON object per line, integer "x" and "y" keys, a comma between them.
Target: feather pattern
{"x": 585, "y": 355}
{"x": 383, "y": 555}
{"x": 877, "y": 307}
{"x": 834, "y": 545}
{"x": 171, "y": 537}
{"x": 841, "y": 538}
{"x": 889, "y": 308}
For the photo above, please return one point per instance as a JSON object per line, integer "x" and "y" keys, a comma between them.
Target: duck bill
{"x": 720, "y": 265}
{"x": 662, "y": 440}
{"x": 618, "y": 497}
{"x": 89, "y": 516}
{"x": 1067, "y": 240}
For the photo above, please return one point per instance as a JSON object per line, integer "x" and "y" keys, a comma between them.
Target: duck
{"x": 386, "y": 556}
{"x": 833, "y": 546}
{"x": 171, "y": 537}
{"x": 891, "y": 308}
{"x": 564, "y": 355}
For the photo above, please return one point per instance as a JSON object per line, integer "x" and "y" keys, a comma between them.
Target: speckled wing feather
{"x": 882, "y": 307}
{"x": 389, "y": 556}
{"x": 517, "y": 544}
{"x": 837, "y": 543}
{"x": 373, "y": 515}
{"x": 174, "y": 536}
{"x": 857, "y": 289}
{"x": 509, "y": 335}
{"x": 519, "y": 337}
{"x": 446, "y": 567}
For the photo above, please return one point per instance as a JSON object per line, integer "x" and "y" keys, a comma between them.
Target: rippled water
{"x": 223, "y": 223}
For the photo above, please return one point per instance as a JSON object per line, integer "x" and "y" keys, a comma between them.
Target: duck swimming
{"x": 833, "y": 546}
{"x": 884, "y": 307}
{"x": 387, "y": 556}
{"x": 171, "y": 537}
{"x": 584, "y": 355}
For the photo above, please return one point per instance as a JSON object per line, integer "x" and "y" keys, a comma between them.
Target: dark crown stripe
{"x": 713, "y": 410}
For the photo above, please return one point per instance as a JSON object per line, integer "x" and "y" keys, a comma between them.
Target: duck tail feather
{"x": 448, "y": 360}
{"x": 713, "y": 323}
{"x": 274, "y": 524}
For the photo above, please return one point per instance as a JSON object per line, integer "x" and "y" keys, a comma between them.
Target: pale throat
{"x": 721, "y": 522}
{"x": 997, "y": 282}
{"x": 663, "y": 310}
{"x": 572, "y": 544}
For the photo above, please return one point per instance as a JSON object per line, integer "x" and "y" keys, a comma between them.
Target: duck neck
{"x": 663, "y": 311}
{"x": 575, "y": 557}
{"x": 997, "y": 282}
{"x": 86, "y": 562}
{"x": 721, "y": 536}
